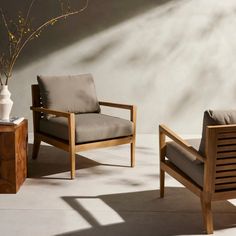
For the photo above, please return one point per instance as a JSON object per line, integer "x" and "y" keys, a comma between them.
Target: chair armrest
{"x": 221, "y": 126}
{"x": 70, "y": 119}
{"x": 132, "y": 108}
{"x": 117, "y": 105}
{"x": 52, "y": 112}
{"x": 185, "y": 145}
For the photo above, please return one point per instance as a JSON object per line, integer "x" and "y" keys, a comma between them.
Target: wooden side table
{"x": 13, "y": 156}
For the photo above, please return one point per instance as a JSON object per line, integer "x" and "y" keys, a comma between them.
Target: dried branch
{"x": 10, "y": 36}
{"x": 23, "y": 34}
{"x": 1, "y": 69}
{"x": 25, "y": 22}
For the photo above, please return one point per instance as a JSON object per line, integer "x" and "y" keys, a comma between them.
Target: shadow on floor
{"x": 52, "y": 160}
{"x": 145, "y": 214}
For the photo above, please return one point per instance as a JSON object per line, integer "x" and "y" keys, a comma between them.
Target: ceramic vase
{"x": 5, "y": 103}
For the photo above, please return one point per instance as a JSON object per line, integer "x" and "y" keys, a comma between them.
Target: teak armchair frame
{"x": 219, "y": 167}
{"x": 70, "y": 146}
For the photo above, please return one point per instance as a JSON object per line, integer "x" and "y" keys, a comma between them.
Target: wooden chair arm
{"x": 70, "y": 119}
{"x": 117, "y": 105}
{"x": 185, "y": 145}
{"x": 221, "y": 126}
{"x": 52, "y": 112}
{"x": 132, "y": 108}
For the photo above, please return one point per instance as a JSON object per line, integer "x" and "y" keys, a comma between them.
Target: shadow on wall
{"x": 143, "y": 213}
{"x": 100, "y": 15}
{"x": 174, "y": 57}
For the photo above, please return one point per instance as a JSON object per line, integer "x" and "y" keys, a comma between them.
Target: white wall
{"x": 173, "y": 61}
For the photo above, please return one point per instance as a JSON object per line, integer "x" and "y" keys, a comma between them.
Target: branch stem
{"x": 8, "y": 61}
{"x": 45, "y": 24}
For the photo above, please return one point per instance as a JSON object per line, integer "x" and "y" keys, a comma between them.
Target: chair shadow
{"x": 52, "y": 160}
{"x": 144, "y": 213}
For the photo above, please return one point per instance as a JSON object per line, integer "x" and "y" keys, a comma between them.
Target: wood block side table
{"x": 13, "y": 156}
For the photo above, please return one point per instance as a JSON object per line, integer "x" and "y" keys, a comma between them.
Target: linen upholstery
{"x": 89, "y": 127}
{"x": 185, "y": 161}
{"x": 216, "y": 117}
{"x": 69, "y": 93}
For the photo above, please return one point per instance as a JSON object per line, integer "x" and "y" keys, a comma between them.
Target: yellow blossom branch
{"x": 17, "y": 41}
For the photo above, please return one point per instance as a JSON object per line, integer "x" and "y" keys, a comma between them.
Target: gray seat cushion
{"x": 217, "y": 117}
{"x": 69, "y": 93}
{"x": 185, "y": 161}
{"x": 89, "y": 127}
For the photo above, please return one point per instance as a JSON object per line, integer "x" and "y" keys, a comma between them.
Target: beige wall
{"x": 173, "y": 59}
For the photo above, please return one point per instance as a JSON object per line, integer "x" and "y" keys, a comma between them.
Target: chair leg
{"x": 162, "y": 183}
{"x": 132, "y": 154}
{"x": 207, "y": 216}
{"x": 36, "y": 146}
{"x": 72, "y": 164}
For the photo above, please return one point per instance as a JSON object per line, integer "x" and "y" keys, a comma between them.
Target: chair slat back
{"x": 36, "y": 102}
{"x": 225, "y": 158}
{"x": 36, "y": 99}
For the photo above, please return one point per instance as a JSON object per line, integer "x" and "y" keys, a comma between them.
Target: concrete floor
{"x": 107, "y": 198}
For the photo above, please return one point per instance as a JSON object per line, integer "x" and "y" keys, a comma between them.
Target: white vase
{"x": 5, "y": 103}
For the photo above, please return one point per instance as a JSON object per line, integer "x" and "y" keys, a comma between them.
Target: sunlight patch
{"x": 233, "y": 201}
{"x": 100, "y": 212}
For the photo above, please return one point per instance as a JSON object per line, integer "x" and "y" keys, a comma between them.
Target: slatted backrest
{"x": 36, "y": 102}
{"x": 222, "y": 142}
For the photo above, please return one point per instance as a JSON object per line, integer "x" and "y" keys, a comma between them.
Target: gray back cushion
{"x": 69, "y": 93}
{"x": 217, "y": 117}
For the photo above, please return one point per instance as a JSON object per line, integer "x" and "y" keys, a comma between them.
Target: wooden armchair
{"x": 69, "y": 140}
{"x": 216, "y": 169}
